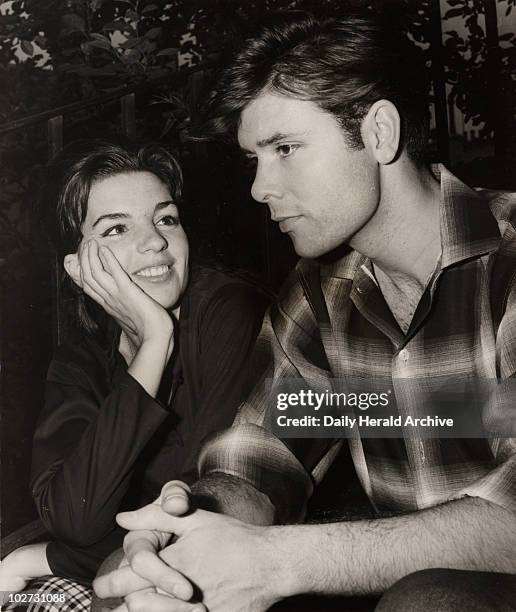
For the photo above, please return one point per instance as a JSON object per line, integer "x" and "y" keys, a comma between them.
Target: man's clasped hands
{"x": 177, "y": 556}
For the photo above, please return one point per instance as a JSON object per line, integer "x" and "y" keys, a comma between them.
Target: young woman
{"x": 156, "y": 363}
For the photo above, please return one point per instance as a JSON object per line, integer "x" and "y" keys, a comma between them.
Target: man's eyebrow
{"x": 275, "y": 138}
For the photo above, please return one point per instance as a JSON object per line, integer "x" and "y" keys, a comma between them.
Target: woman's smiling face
{"x": 133, "y": 214}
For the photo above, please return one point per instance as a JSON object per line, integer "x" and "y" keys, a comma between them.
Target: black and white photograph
{"x": 258, "y": 305}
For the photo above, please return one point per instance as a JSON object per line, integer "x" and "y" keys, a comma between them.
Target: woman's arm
{"x": 91, "y": 433}
{"x": 86, "y": 448}
{"x": 22, "y": 565}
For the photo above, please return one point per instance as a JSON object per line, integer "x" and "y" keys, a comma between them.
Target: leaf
{"x": 169, "y": 51}
{"x": 130, "y": 43}
{"x": 99, "y": 44}
{"x": 8, "y": 19}
{"x": 133, "y": 56}
{"x": 149, "y": 8}
{"x": 89, "y": 71}
{"x": 27, "y": 47}
{"x": 117, "y": 25}
{"x": 453, "y": 13}
{"x": 153, "y": 33}
{"x": 73, "y": 22}
{"x": 100, "y": 38}
{"x": 41, "y": 41}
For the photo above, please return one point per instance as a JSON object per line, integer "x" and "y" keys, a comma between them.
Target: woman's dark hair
{"x": 344, "y": 65}
{"x": 68, "y": 182}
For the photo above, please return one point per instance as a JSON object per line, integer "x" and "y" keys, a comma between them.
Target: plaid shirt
{"x": 452, "y": 333}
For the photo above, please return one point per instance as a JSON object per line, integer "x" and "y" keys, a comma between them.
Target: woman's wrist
{"x": 161, "y": 332}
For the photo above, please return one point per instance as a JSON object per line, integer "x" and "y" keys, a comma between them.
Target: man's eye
{"x": 115, "y": 230}
{"x": 169, "y": 220}
{"x": 285, "y": 150}
{"x": 251, "y": 161}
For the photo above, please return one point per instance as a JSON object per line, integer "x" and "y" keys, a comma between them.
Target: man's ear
{"x": 73, "y": 268}
{"x": 381, "y": 130}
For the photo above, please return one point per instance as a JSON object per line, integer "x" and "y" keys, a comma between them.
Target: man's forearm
{"x": 233, "y": 496}
{"x": 369, "y": 556}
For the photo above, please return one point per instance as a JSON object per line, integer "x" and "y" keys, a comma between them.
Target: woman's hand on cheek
{"x": 105, "y": 281}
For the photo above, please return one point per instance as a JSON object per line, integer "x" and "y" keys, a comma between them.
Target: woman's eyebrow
{"x": 110, "y": 216}
{"x": 120, "y": 215}
{"x": 161, "y": 205}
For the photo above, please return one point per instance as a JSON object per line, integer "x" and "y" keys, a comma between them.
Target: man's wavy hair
{"x": 344, "y": 65}
{"x": 64, "y": 203}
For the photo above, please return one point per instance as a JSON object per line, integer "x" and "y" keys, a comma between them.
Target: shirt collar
{"x": 468, "y": 228}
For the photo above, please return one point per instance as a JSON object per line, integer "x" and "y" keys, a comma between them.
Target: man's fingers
{"x": 155, "y": 602}
{"x": 175, "y": 497}
{"x": 152, "y": 517}
{"x": 148, "y": 565}
{"x": 119, "y": 583}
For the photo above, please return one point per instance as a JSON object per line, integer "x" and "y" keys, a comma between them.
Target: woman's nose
{"x": 151, "y": 239}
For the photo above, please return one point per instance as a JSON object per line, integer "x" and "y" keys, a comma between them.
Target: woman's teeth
{"x": 154, "y": 271}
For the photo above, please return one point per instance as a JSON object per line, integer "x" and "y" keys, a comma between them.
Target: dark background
{"x": 75, "y": 68}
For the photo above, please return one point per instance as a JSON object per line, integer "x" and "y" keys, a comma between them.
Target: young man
{"x": 334, "y": 114}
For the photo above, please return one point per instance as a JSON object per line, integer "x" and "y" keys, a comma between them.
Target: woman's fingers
{"x": 145, "y": 569}
{"x": 150, "y": 566}
{"x": 119, "y": 583}
{"x": 99, "y": 274}
{"x": 112, "y": 265}
{"x": 90, "y": 283}
{"x": 99, "y": 283}
{"x": 141, "y": 549}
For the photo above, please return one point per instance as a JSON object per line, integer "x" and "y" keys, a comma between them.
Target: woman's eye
{"x": 169, "y": 220}
{"x": 285, "y": 150}
{"x": 114, "y": 231}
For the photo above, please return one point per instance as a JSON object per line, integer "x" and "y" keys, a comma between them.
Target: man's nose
{"x": 151, "y": 239}
{"x": 265, "y": 185}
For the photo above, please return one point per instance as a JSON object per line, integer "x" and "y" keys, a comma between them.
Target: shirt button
{"x": 404, "y": 355}
{"x": 360, "y": 289}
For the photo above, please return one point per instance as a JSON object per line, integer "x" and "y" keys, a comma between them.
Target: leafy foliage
{"x": 469, "y": 71}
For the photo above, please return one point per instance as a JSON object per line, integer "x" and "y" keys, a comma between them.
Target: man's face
{"x": 320, "y": 191}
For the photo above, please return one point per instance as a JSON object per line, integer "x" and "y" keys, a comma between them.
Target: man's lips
{"x": 285, "y": 223}
{"x": 278, "y": 218}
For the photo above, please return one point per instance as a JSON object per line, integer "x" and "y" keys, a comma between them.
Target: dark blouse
{"x": 103, "y": 444}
